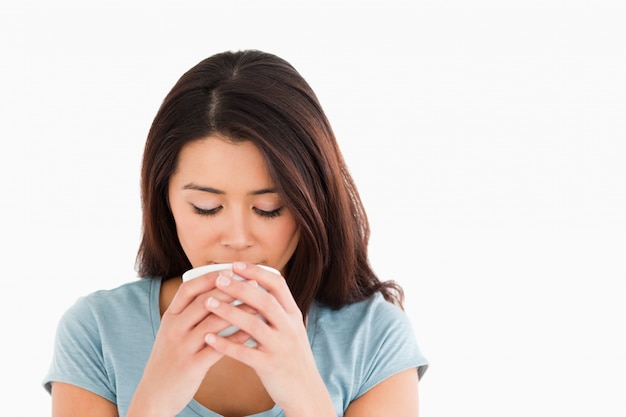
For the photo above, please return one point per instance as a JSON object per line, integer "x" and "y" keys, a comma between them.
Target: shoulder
{"x": 375, "y": 325}
{"x": 362, "y": 344}
{"x": 110, "y": 304}
{"x": 91, "y": 348}
{"x": 374, "y": 313}
{"x": 137, "y": 289}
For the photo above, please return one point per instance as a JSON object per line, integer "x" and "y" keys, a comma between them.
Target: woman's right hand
{"x": 180, "y": 357}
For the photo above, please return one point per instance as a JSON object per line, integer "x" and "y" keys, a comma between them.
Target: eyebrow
{"x": 192, "y": 186}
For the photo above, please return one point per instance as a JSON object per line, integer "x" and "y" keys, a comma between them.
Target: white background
{"x": 488, "y": 140}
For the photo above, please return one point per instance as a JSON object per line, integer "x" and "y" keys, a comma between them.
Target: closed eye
{"x": 207, "y": 212}
{"x": 269, "y": 214}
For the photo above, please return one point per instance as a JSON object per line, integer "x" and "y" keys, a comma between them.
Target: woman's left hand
{"x": 283, "y": 359}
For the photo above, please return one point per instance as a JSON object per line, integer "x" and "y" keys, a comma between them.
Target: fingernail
{"x": 209, "y": 338}
{"x": 253, "y": 283}
{"x": 212, "y": 302}
{"x": 239, "y": 265}
{"x": 222, "y": 280}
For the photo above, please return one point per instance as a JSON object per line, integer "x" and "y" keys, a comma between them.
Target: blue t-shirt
{"x": 104, "y": 340}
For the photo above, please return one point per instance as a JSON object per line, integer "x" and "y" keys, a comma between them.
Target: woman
{"x": 241, "y": 166}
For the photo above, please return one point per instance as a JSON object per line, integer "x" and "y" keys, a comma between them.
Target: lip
{"x": 237, "y": 260}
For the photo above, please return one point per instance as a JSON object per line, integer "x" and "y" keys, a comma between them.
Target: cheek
{"x": 287, "y": 237}
{"x": 192, "y": 232}
{"x": 285, "y": 247}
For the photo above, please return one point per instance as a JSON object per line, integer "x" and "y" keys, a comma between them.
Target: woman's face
{"x": 226, "y": 207}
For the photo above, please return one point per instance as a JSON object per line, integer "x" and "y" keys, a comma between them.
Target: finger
{"x": 189, "y": 290}
{"x": 213, "y": 323}
{"x": 273, "y": 283}
{"x": 207, "y": 355}
{"x": 202, "y": 286}
{"x": 264, "y": 302}
{"x": 234, "y": 349}
{"x": 252, "y": 324}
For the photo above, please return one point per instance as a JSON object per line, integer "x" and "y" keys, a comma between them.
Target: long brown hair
{"x": 256, "y": 96}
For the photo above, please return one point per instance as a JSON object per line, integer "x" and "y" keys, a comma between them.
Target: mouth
{"x": 236, "y": 260}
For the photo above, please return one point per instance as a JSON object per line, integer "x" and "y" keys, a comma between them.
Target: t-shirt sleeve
{"x": 77, "y": 357}
{"x": 390, "y": 348}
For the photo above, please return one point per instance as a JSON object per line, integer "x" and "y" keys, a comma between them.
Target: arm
{"x": 72, "y": 401}
{"x": 395, "y": 396}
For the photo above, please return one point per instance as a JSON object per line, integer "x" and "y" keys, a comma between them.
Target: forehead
{"x": 218, "y": 162}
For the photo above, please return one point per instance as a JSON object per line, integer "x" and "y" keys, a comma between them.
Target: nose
{"x": 236, "y": 230}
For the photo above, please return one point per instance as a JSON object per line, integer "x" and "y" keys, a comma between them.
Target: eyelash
{"x": 269, "y": 214}
{"x": 262, "y": 213}
{"x": 203, "y": 212}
